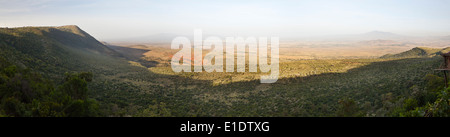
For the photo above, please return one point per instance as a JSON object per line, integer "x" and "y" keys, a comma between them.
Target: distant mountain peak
{"x": 379, "y": 33}
{"x": 376, "y": 31}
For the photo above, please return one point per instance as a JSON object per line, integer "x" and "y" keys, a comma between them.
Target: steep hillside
{"x": 58, "y": 52}
{"x": 51, "y": 50}
{"x": 36, "y": 65}
{"x": 43, "y": 37}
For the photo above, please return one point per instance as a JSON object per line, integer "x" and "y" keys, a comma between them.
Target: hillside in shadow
{"x": 318, "y": 95}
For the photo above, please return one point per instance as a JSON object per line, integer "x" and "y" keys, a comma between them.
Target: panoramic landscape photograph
{"x": 199, "y": 58}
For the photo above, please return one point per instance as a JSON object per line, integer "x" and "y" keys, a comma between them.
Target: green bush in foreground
{"x": 432, "y": 101}
{"x": 27, "y": 94}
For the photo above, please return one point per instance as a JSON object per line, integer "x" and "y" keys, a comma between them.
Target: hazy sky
{"x": 111, "y": 19}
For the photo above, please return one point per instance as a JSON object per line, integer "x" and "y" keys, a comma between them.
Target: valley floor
{"x": 305, "y": 88}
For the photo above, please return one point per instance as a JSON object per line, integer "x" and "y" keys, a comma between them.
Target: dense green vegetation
{"x": 430, "y": 100}
{"x": 38, "y": 79}
{"x": 370, "y": 87}
{"x": 54, "y": 51}
{"x": 26, "y": 93}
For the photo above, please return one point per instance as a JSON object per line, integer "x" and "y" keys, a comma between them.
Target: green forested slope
{"x": 418, "y": 52}
{"x": 42, "y": 67}
{"x": 25, "y": 93}
{"x": 121, "y": 89}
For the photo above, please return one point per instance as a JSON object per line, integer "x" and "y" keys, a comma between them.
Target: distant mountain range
{"x": 373, "y": 35}
{"x": 159, "y": 38}
{"x": 155, "y": 38}
{"x": 445, "y": 38}
{"x": 379, "y": 35}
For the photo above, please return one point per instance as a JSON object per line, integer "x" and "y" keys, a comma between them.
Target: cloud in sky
{"x": 109, "y": 19}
